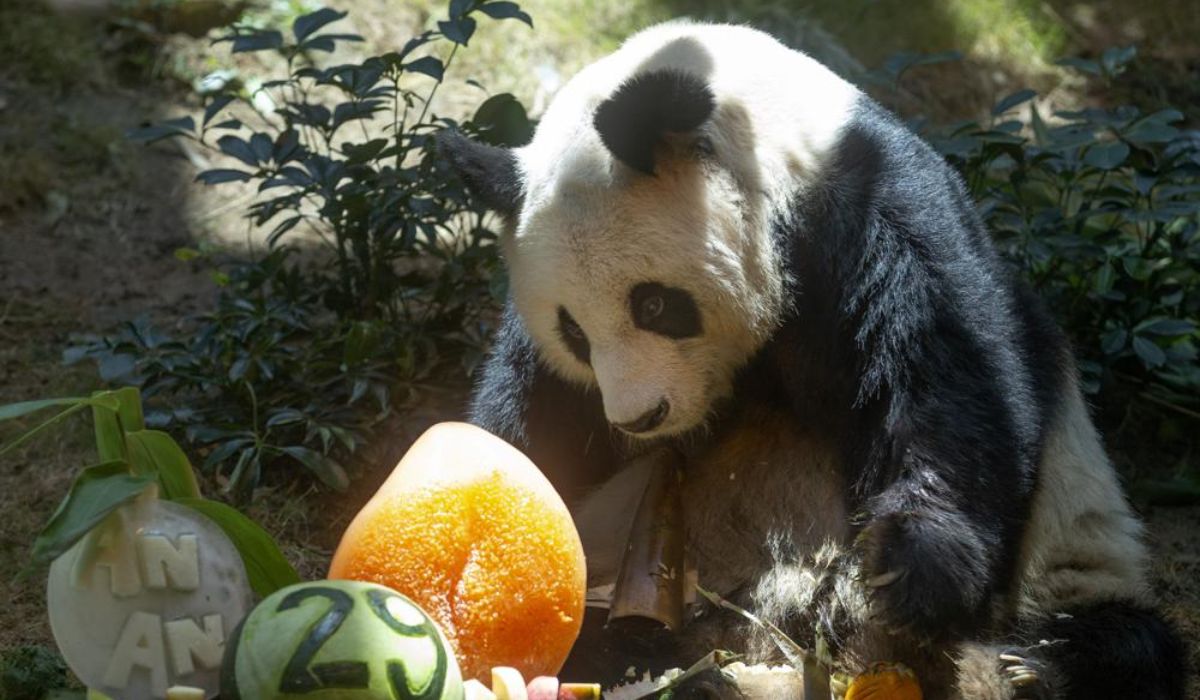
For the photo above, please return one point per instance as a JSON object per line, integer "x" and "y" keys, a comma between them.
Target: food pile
{"x": 464, "y": 566}
{"x": 460, "y": 579}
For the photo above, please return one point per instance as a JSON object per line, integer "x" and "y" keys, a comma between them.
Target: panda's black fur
{"x": 929, "y": 378}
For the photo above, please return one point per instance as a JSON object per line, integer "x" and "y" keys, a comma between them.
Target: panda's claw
{"x": 1022, "y": 676}
{"x": 885, "y": 579}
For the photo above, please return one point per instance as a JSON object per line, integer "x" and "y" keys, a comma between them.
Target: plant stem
{"x": 1172, "y": 406}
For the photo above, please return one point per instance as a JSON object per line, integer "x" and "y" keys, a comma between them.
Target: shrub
{"x": 298, "y": 361}
{"x": 30, "y": 672}
{"x": 1101, "y": 211}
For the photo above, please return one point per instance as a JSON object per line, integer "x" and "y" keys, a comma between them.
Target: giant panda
{"x": 718, "y": 248}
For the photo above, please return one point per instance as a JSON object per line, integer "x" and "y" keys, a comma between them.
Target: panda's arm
{"x": 947, "y": 483}
{"x": 947, "y": 395}
{"x": 558, "y": 425}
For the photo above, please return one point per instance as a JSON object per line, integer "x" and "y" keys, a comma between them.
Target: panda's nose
{"x": 649, "y": 420}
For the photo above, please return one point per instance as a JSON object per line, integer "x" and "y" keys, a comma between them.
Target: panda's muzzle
{"x": 648, "y": 421}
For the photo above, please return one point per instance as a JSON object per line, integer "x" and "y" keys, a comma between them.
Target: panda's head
{"x": 639, "y": 239}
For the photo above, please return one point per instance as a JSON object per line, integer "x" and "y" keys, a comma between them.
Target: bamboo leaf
{"x": 153, "y": 451}
{"x": 56, "y": 418}
{"x": 129, "y": 408}
{"x": 16, "y": 410}
{"x": 97, "y": 491}
{"x": 110, "y": 438}
{"x": 266, "y": 566}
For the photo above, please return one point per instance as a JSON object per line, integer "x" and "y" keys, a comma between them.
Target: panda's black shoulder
{"x": 893, "y": 273}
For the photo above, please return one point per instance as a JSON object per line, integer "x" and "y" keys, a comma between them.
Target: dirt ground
{"x": 88, "y": 227}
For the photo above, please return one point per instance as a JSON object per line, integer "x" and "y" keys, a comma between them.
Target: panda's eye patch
{"x": 574, "y": 337}
{"x": 668, "y": 311}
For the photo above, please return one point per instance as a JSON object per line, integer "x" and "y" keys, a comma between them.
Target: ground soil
{"x": 88, "y": 227}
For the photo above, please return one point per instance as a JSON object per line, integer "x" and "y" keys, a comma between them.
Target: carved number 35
{"x": 302, "y": 676}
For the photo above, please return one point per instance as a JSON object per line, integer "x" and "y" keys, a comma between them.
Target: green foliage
{"x": 1100, "y": 208}
{"x": 133, "y": 459}
{"x": 298, "y": 361}
{"x": 30, "y": 672}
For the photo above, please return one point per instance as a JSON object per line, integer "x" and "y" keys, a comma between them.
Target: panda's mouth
{"x": 648, "y": 422}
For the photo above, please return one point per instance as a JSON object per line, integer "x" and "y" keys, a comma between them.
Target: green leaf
{"x": 221, "y": 175}
{"x": 502, "y": 121}
{"x": 1137, "y": 268}
{"x": 16, "y": 410}
{"x": 428, "y": 65}
{"x": 110, "y": 438}
{"x": 1105, "y": 276}
{"x": 1153, "y": 128}
{"x": 459, "y": 31}
{"x": 183, "y": 126}
{"x": 238, "y": 148}
{"x": 52, "y": 420}
{"x": 900, "y": 63}
{"x": 1113, "y": 342}
{"x": 362, "y": 340}
{"x": 327, "y": 470}
{"x": 363, "y": 152}
{"x": 506, "y": 10}
{"x": 1107, "y": 155}
{"x": 1017, "y": 98}
{"x": 1151, "y": 355}
{"x": 1166, "y": 327}
{"x": 97, "y": 491}
{"x": 129, "y": 408}
{"x": 283, "y": 227}
{"x": 217, "y": 104}
{"x": 260, "y": 40}
{"x": 1041, "y": 134}
{"x": 1082, "y": 64}
{"x": 266, "y": 566}
{"x": 1114, "y": 58}
{"x": 305, "y": 25}
{"x": 153, "y": 451}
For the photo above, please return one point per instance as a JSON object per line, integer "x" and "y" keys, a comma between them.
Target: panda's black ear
{"x": 634, "y": 119}
{"x": 490, "y": 171}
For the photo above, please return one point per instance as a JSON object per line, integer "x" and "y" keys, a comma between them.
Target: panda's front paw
{"x": 990, "y": 672}
{"x": 925, "y": 573}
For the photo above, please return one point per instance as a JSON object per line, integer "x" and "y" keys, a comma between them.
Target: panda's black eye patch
{"x": 668, "y": 311}
{"x": 573, "y": 337}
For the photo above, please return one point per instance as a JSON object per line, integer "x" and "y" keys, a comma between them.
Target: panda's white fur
{"x": 584, "y": 226}
{"x": 775, "y": 512}
{"x": 1082, "y": 542}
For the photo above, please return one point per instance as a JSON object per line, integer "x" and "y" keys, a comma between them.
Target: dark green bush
{"x": 29, "y": 672}
{"x": 1100, "y": 208}
{"x": 400, "y": 274}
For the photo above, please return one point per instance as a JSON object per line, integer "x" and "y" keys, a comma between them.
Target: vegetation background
{"x": 297, "y": 364}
